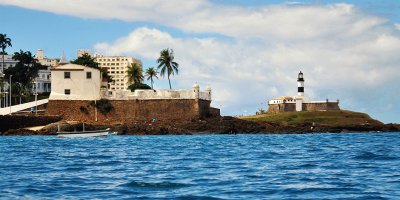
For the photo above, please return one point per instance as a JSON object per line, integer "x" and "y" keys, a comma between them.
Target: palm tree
{"x": 4, "y": 43}
{"x": 167, "y": 64}
{"x": 135, "y": 74}
{"x": 150, "y": 73}
{"x": 26, "y": 70}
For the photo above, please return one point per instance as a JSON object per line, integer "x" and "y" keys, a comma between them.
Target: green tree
{"x": 167, "y": 64}
{"x": 135, "y": 74}
{"x": 150, "y": 74}
{"x": 88, "y": 61}
{"x": 16, "y": 91}
{"x": 4, "y": 43}
{"x": 26, "y": 70}
{"x": 1, "y": 92}
{"x": 141, "y": 86}
{"x": 23, "y": 73}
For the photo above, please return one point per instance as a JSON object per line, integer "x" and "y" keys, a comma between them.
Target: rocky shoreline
{"x": 219, "y": 125}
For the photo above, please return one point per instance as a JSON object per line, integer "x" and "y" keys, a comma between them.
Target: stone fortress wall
{"x": 139, "y": 106}
{"x": 312, "y": 106}
{"x": 130, "y": 111}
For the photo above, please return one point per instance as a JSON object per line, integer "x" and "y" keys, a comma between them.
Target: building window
{"x": 67, "y": 91}
{"x": 88, "y": 75}
{"x": 67, "y": 74}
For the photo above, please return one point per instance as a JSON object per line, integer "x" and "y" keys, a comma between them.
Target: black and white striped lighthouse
{"x": 300, "y": 84}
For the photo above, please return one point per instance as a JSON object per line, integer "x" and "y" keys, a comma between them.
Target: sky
{"x": 247, "y": 51}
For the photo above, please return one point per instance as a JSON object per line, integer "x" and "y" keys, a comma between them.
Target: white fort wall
{"x": 157, "y": 94}
{"x": 276, "y": 102}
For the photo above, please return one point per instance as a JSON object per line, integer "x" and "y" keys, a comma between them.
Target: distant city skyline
{"x": 248, "y": 51}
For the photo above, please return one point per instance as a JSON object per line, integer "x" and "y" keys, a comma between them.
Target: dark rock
{"x": 217, "y": 125}
{"x": 8, "y": 122}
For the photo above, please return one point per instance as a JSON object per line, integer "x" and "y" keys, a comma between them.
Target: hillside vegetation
{"x": 325, "y": 118}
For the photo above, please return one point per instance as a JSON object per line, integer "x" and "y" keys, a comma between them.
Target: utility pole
{"x": 10, "y": 94}
{"x": 35, "y": 98}
{"x": 95, "y": 109}
{"x": 1, "y": 90}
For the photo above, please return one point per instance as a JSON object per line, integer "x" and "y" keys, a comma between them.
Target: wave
{"x": 155, "y": 185}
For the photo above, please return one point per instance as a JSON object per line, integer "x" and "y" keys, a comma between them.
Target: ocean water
{"x": 289, "y": 166}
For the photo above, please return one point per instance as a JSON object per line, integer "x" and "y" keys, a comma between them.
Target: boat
{"x": 96, "y": 133}
{"x": 83, "y": 133}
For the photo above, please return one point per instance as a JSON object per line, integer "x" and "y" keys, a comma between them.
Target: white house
{"x": 75, "y": 82}
{"x": 43, "y": 80}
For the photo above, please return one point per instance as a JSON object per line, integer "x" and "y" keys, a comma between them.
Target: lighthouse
{"x": 300, "y": 85}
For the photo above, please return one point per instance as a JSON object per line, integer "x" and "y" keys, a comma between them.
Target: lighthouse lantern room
{"x": 300, "y": 85}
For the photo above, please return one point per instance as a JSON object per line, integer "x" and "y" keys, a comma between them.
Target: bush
{"x": 84, "y": 110}
{"x": 103, "y": 105}
{"x": 142, "y": 86}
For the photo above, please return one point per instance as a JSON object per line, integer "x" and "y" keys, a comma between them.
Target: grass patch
{"x": 329, "y": 118}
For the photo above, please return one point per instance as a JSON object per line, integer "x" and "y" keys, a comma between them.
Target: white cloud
{"x": 128, "y": 10}
{"x": 284, "y": 21}
{"x": 243, "y": 75}
{"x": 344, "y": 52}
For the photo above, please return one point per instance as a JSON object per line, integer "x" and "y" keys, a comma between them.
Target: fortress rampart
{"x": 137, "y": 106}
{"x": 129, "y": 111}
{"x": 291, "y": 107}
{"x": 156, "y": 94}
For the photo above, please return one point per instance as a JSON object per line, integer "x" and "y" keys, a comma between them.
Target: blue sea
{"x": 286, "y": 166}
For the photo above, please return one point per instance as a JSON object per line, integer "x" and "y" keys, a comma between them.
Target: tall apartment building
{"x": 117, "y": 67}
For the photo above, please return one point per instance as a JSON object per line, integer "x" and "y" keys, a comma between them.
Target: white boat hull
{"x": 99, "y": 133}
